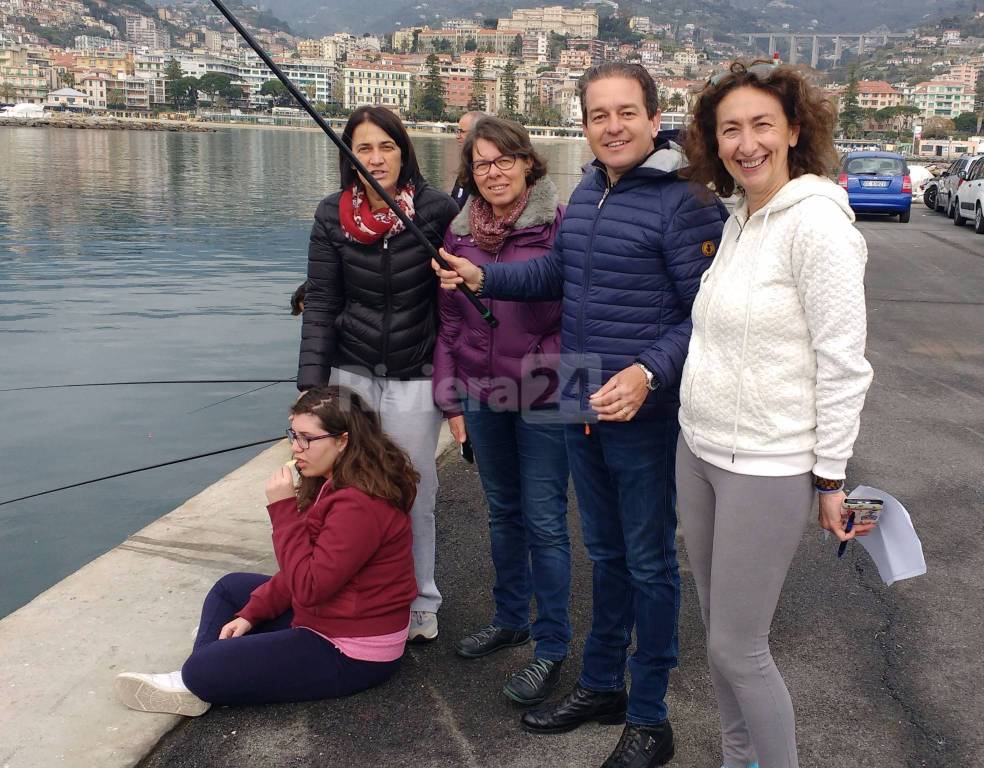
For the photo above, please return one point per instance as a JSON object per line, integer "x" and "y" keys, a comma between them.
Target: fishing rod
{"x": 134, "y": 383}
{"x": 349, "y": 155}
{"x": 142, "y": 469}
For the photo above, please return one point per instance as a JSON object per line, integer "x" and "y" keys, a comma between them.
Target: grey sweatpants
{"x": 409, "y": 416}
{"x": 741, "y": 532}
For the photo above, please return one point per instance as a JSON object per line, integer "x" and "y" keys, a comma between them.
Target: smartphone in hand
{"x": 866, "y": 511}
{"x": 466, "y": 451}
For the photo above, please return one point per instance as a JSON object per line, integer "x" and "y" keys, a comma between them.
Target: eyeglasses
{"x": 763, "y": 71}
{"x": 502, "y": 162}
{"x": 304, "y": 441}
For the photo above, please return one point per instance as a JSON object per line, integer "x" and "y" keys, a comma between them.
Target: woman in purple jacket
{"x": 498, "y": 390}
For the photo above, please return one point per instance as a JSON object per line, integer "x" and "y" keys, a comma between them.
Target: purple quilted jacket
{"x": 513, "y": 366}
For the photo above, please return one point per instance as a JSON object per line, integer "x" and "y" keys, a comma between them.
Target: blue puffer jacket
{"x": 628, "y": 262}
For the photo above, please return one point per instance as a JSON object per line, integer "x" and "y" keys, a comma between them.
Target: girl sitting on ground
{"x": 342, "y": 539}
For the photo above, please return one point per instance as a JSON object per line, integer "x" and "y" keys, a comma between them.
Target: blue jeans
{"x": 624, "y": 479}
{"x": 522, "y": 461}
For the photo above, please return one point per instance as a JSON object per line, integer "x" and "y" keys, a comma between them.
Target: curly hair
{"x": 803, "y": 104}
{"x": 371, "y": 461}
{"x": 510, "y": 138}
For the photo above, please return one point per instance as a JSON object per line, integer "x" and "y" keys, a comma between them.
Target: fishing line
{"x": 233, "y": 397}
{"x": 143, "y": 469}
{"x": 350, "y": 157}
{"x": 135, "y": 383}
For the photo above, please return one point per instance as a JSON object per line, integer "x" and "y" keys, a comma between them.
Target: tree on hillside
{"x": 676, "y": 101}
{"x": 966, "y": 122}
{"x": 538, "y": 113}
{"x": 516, "y": 47}
{"x": 510, "y": 95}
{"x": 477, "y": 99}
{"x": 218, "y": 87}
{"x": 938, "y": 128}
{"x": 851, "y": 114}
{"x": 277, "y": 92}
{"x": 183, "y": 92}
{"x": 431, "y": 104}
{"x": 900, "y": 118}
{"x": 471, "y": 45}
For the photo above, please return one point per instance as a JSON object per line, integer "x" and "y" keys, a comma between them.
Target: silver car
{"x": 950, "y": 181}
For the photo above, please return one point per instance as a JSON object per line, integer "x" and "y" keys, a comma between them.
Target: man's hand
{"x": 462, "y": 271}
{"x": 622, "y": 395}
{"x": 235, "y": 628}
{"x": 458, "y": 431}
{"x": 280, "y": 485}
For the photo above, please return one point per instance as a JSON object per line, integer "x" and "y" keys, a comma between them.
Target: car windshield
{"x": 874, "y": 166}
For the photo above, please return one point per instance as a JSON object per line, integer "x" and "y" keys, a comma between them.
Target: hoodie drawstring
{"x": 744, "y": 338}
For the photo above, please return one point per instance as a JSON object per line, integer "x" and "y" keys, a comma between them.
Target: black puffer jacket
{"x": 371, "y": 307}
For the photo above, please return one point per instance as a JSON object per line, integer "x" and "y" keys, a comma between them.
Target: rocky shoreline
{"x": 105, "y": 123}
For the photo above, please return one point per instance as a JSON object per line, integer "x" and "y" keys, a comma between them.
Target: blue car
{"x": 877, "y": 182}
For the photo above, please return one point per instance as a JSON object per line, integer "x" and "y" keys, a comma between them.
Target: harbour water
{"x": 129, "y": 256}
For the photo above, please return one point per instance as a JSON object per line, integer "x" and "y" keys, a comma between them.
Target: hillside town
{"x": 921, "y": 90}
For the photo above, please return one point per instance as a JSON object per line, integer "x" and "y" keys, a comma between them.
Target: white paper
{"x": 893, "y": 544}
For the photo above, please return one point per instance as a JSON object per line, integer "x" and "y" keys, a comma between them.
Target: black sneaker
{"x": 642, "y": 746}
{"x": 489, "y": 640}
{"x": 534, "y": 682}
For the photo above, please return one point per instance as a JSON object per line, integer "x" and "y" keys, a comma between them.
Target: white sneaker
{"x": 423, "y": 626}
{"x": 158, "y": 693}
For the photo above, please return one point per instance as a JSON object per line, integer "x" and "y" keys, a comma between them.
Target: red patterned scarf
{"x": 489, "y": 231}
{"x": 366, "y": 226}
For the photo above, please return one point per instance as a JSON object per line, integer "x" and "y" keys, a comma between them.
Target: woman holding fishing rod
{"x": 334, "y": 619}
{"x": 370, "y": 312}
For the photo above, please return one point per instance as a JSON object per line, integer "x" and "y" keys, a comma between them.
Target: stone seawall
{"x": 103, "y": 123}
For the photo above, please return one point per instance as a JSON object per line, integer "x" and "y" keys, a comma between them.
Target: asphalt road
{"x": 880, "y": 676}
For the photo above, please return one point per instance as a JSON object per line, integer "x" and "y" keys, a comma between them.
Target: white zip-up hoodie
{"x": 776, "y": 375}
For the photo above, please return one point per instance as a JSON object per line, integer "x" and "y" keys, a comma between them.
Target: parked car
{"x": 968, "y": 201}
{"x": 877, "y": 182}
{"x": 950, "y": 181}
{"x": 931, "y": 190}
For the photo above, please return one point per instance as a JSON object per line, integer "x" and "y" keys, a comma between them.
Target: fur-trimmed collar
{"x": 540, "y": 209}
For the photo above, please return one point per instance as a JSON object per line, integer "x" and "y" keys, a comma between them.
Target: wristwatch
{"x": 652, "y": 383}
{"x": 826, "y": 485}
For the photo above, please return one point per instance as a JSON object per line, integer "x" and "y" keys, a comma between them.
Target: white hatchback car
{"x": 968, "y": 201}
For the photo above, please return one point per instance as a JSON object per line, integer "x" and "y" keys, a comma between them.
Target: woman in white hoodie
{"x": 773, "y": 385}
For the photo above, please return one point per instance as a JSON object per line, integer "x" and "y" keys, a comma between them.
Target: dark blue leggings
{"x": 273, "y": 663}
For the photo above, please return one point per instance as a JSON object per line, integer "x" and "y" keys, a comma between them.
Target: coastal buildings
{"x": 555, "y": 18}
{"x": 379, "y": 83}
{"x": 877, "y": 94}
{"x": 943, "y": 98}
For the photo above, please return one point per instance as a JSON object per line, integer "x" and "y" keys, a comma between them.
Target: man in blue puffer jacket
{"x": 628, "y": 262}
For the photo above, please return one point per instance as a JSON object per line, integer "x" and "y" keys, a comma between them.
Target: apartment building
{"x": 877, "y": 94}
{"x": 576, "y": 60}
{"x": 148, "y": 32}
{"x": 21, "y": 78}
{"x": 943, "y": 98}
{"x": 564, "y": 21}
{"x": 112, "y": 62}
{"x": 386, "y": 85}
{"x": 486, "y": 40}
{"x": 966, "y": 73}
{"x": 536, "y": 46}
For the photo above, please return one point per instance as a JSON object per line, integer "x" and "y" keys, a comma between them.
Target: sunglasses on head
{"x": 762, "y": 71}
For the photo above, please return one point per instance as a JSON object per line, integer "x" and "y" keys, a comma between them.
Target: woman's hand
{"x": 458, "y": 431}
{"x": 622, "y": 396}
{"x": 833, "y": 517}
{"x": 235, "y": 628}
{"x": 280, "y": 485}
{"x": 462, "y": 271}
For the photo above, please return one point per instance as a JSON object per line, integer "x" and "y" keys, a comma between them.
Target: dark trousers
{"x": 522, "y": 461}
{"x": 624, "y": 478}
{"x": 273, "y": 663}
